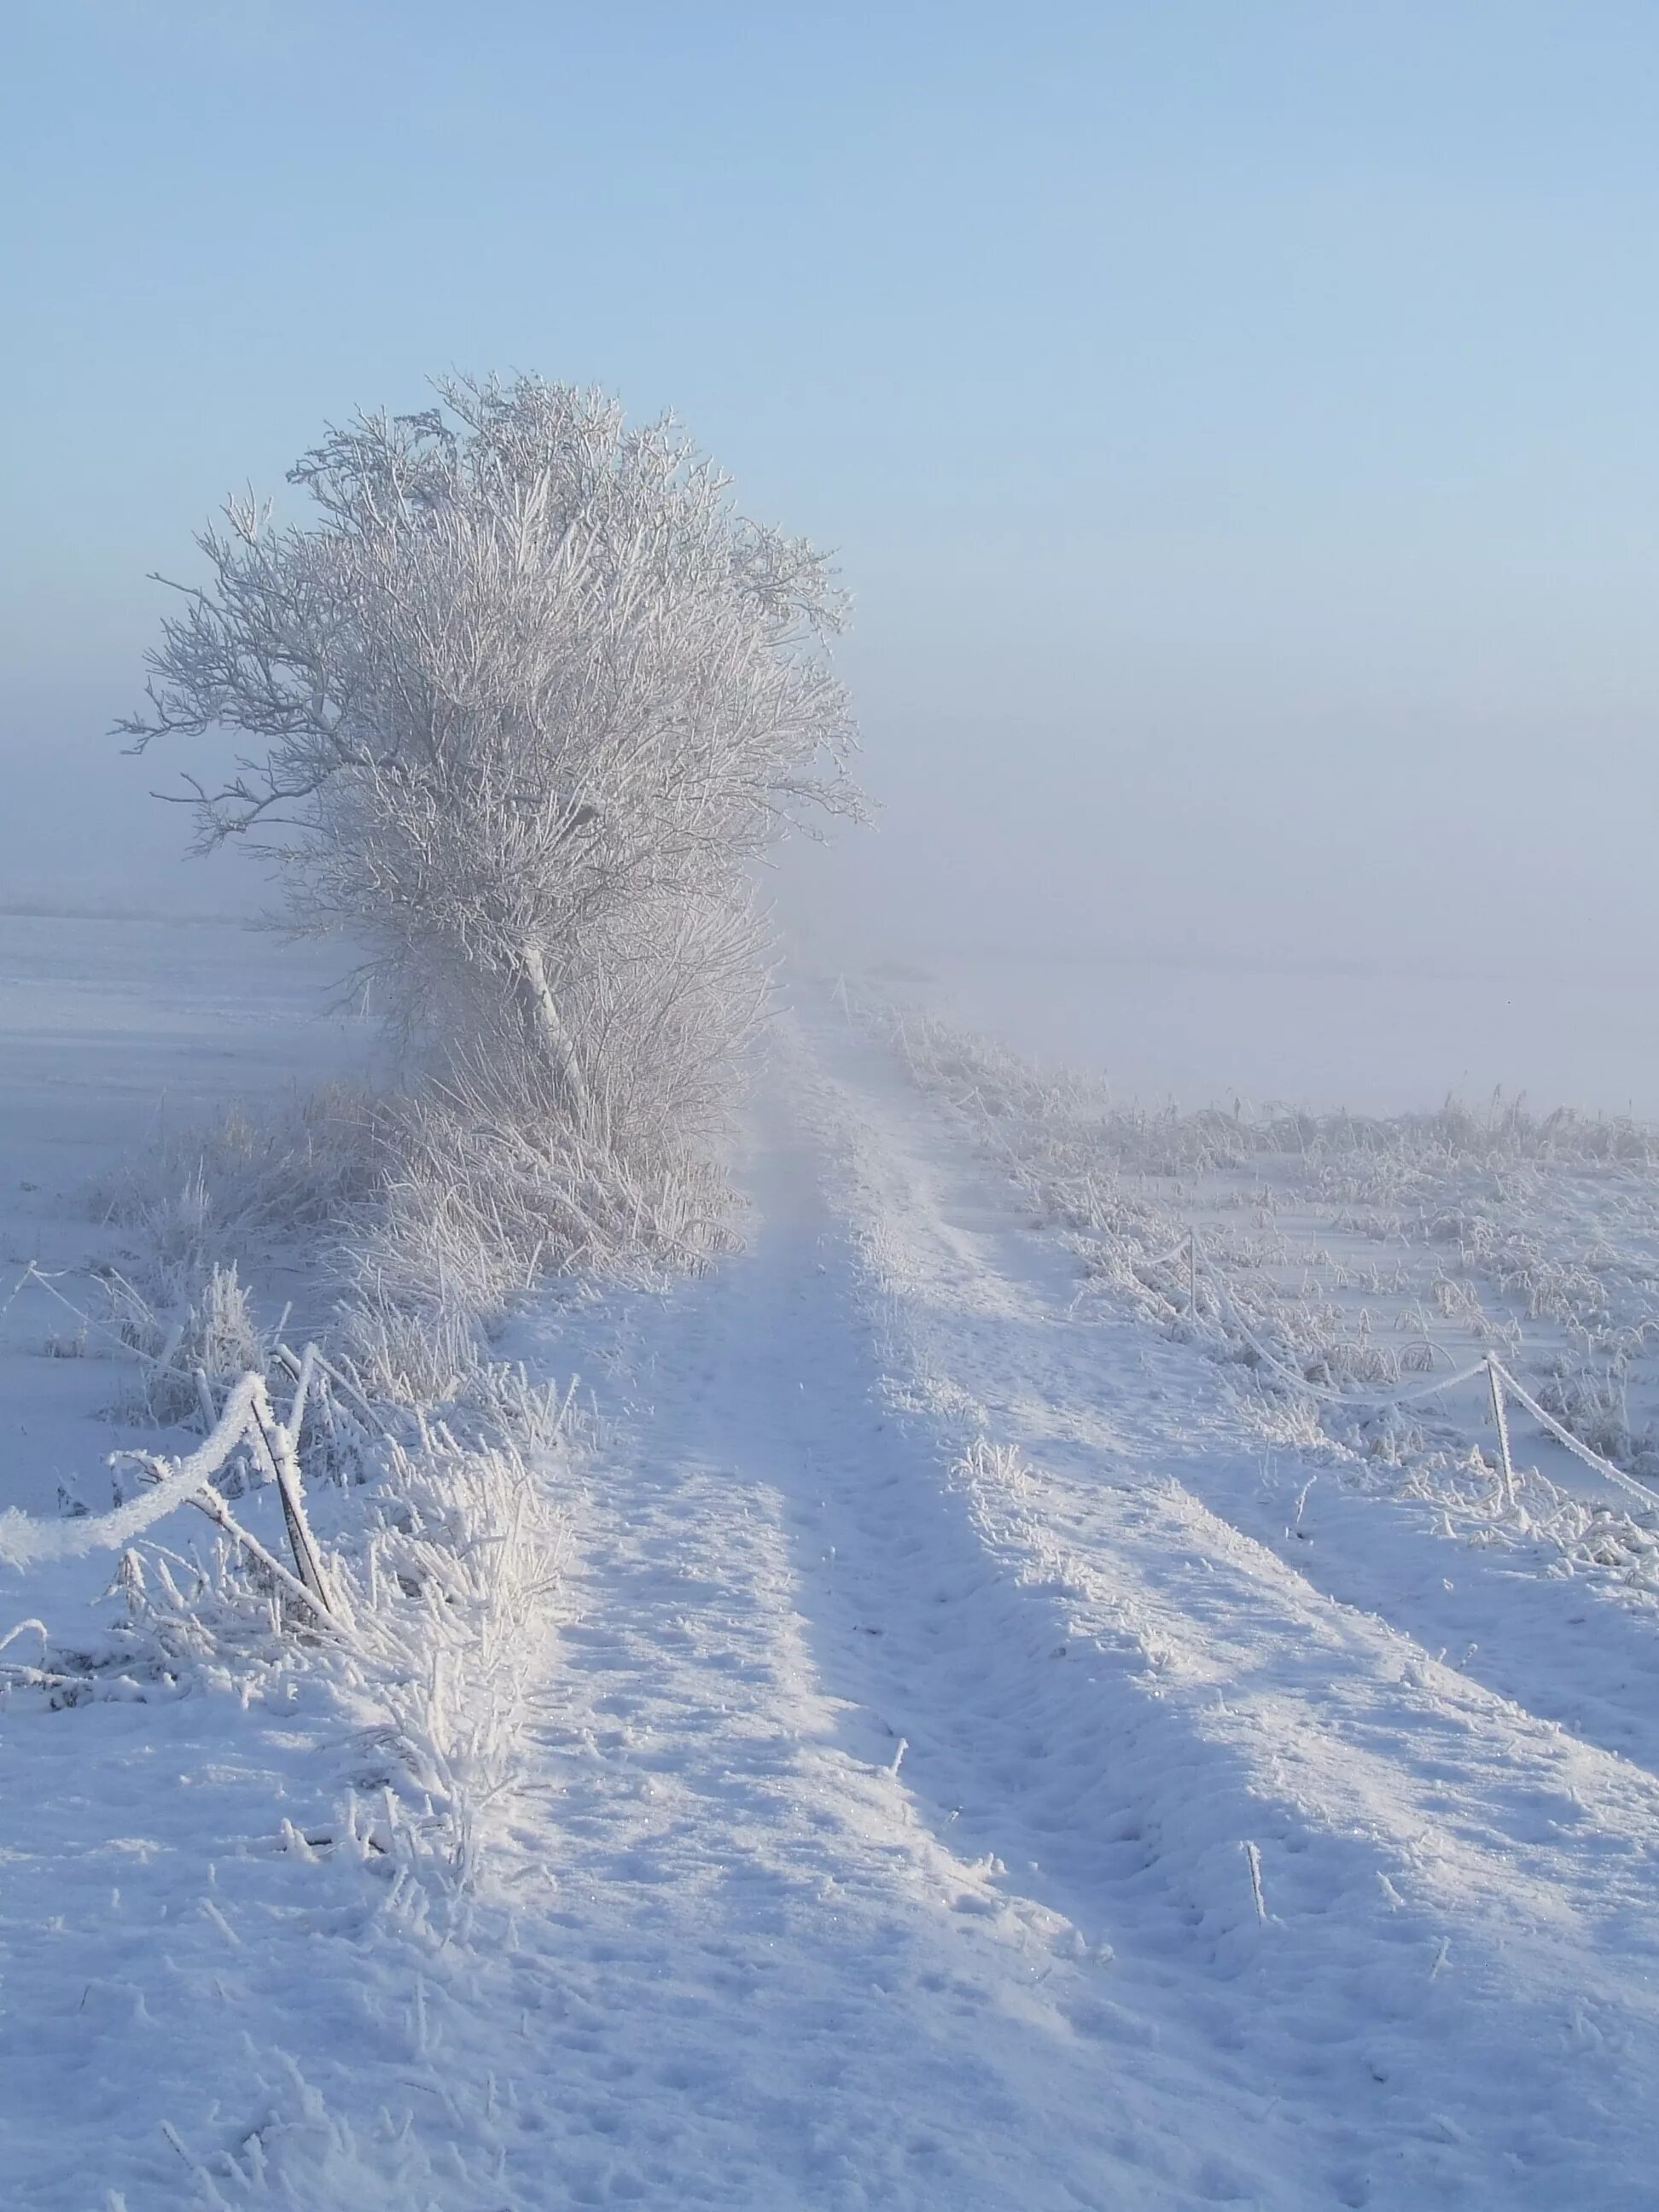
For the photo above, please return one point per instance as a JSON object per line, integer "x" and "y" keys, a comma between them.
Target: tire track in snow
{"x": 1459, "y": 1949}
{"x": 753, "y": 1975}
{"x": 1577, "y": 1649}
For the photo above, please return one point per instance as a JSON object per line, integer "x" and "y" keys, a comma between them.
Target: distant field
{"x": 1374, "y": 1042}
{"x": 103, "y": 1018}
{"x": 108, "y": 1027}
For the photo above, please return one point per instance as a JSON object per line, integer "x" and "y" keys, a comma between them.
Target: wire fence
{"x": 1500, "y": 1380}
{"x": 247, "y": 1421}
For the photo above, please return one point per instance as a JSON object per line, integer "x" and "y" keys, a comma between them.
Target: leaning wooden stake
{"x": 207, "y": 1500}
{"x": 277, "y": 1446}
{"x": 219, "y": 1513}
{"x": 1495, "y": 1379}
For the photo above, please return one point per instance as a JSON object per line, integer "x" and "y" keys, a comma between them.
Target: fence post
{"x": 1494, "y": 1377}
{"x": 278, "y": 1448}
{"x": 1192, "y": 1273}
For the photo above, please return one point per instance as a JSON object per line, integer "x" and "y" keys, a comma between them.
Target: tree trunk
{"x": 546, "y": 1034}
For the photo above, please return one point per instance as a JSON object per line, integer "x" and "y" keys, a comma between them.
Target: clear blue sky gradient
{"x": 1238, "y": 423}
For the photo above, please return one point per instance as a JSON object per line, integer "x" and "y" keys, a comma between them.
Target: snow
{"x": 109, "y": 1028}
{"x": 962, "y": 1762}
{"x": 1397, "y": 1807}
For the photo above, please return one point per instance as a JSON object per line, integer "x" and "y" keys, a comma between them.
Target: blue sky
{"x": 1237, "y": 423}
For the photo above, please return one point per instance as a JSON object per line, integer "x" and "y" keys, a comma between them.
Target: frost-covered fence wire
{"x": 1498, "y": 1375}
{"x": 1085, "y": 1167}
{"x": 248, "y": 1418}
{"x": 1592, "y": 1460}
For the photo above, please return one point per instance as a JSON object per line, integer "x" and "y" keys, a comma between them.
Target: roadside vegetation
{"x": 1351, "y": 1272}
{"x": 516, "y": 713}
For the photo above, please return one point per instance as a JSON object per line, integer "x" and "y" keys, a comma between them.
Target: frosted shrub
{"x": 440, "y": 1560}
{"x": 1594, "y": 1403}
{"x": 194, "y": 1192}
{"x": 213, "y": 1336}
{"x": 219, "y": 1341}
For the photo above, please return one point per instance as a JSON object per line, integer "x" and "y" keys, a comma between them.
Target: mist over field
{"x": 1251, "y": 576}
{"x": 1358, "y": 915}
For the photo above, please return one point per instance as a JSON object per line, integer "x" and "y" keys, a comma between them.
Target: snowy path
{"x": 943, "y": 1796}
{"x": 1035, "y": 1952}
{"x": 1577, "y": 1648}
{"x": 770, "y": 1981}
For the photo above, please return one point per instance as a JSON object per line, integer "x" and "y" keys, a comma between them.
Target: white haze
{"x": 1235, "y": 428}
{"x": 1210, "y": 871}
{"x": 1361, "y": 859}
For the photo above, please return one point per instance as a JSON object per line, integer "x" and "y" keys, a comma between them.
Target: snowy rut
{"x": 1457, "y": 1966}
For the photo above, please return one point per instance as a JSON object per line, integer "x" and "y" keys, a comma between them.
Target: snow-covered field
{"x": 984, "y": 1747}
{"x": 111, "y": 1031}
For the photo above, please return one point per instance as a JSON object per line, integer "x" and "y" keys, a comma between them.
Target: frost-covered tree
{"x": 528, "y": 700}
